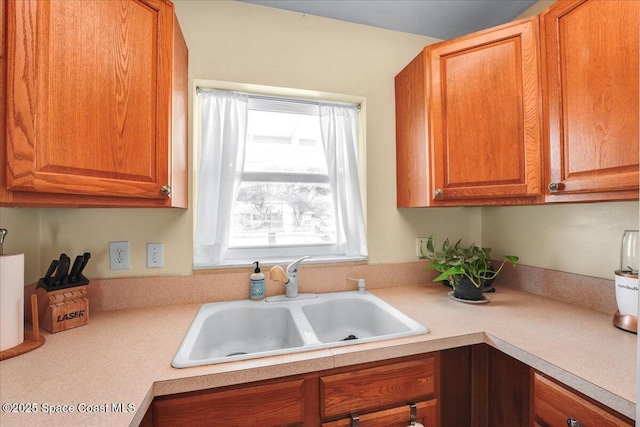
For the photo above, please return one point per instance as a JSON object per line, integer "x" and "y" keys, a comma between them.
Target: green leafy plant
{"x": 455, "y": 262}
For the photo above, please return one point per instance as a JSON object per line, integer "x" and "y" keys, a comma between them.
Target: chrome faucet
{"x": 290, "y": 278}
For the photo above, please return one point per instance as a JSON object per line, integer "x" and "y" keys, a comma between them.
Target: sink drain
{"x": 237, "y": 353}
{"x": 349, "y": 338}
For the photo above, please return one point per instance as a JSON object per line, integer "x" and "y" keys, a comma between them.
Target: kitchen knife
{"x": 52, "y": 268}
{"x": 86, "y": 257}
{"x": 73, "y": 274}
{"x": 62, "y": 271}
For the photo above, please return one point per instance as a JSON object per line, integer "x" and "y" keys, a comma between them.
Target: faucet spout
{"x": 293, "y": 267}
{"x": 289, "y": 277}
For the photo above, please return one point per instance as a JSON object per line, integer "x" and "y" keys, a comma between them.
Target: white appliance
{"x": 626, "y": 283}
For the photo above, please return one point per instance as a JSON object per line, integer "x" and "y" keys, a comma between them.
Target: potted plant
{"x": 465, "y": 269}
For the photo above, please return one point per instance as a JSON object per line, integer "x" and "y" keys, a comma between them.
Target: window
{"x": 278, "y": 179}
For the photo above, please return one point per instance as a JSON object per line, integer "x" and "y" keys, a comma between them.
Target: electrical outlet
{"x": 420, "y": 241}
{"x": 155, "y": 255}
{"x": 119, "y": 255}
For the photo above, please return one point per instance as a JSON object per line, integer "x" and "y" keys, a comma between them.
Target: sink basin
{"x": 347, "y": 317}
{"x": 237, "y": 330}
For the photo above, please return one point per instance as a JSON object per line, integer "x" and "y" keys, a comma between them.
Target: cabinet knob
{"x": 166, "y": 190}
{"x": 439, "y": 192}
{"x": 555, "y": 186}
{"x": 572, "y": 422}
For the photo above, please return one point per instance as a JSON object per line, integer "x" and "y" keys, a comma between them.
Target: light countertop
{"x": 124, "y": 356}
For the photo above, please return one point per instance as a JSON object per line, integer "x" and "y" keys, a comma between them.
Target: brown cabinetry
{"x": 480, "y": 120}
{"x": 590, "y": 106}
{"x": 271, "y": 405}
{"x": 556, "y": 405}
{"x": 468, "y": 123}
{"x": 472, "y": 386}
{"x": 378, "y": 394}
{"x": 96, "y": 104}
{"x": 366, "y": 392}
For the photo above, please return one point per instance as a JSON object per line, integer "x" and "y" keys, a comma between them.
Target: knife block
{"x": 62, "y": 309}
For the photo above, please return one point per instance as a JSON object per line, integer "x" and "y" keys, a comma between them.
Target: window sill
{"x": 271, "y": 261}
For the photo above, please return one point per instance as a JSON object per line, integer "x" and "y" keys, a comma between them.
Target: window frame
{"x": 321, "y": 253}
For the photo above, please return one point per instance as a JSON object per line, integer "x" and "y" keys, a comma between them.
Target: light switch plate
{"x": 155, "y": 255}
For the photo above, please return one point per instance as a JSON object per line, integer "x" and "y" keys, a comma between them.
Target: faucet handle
{"x": 277, "y": 273}
{"x": 293, "y": 267}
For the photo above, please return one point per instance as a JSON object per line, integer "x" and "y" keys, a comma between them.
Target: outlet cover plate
{"x": 419, "y": 241}
{"x": 119, "y": 255}
{"x": 155, "y": 255}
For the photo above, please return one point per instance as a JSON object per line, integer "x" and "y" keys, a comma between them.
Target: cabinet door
{"x": 485, "y": 133}
{"x": 89, "y": 97}
{"x": 280, "y": 404}
{"x": 591, "y": 99}
{"x": 554, "y": 404}
{"x": 426, "y": 415}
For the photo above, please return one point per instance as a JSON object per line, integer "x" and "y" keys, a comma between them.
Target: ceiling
{"x": 441, "y": 19}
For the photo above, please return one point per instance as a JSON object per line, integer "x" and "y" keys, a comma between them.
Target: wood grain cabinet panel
{"x": 554, "y": 404}
{"x": 591, "y": 99}
{"x": 370, "y": 389}
{"x": 468, "y": 120}
{"x": 280, "y": 404}
{"x": 93, "y": 91}
{"x": 426, "y": 414}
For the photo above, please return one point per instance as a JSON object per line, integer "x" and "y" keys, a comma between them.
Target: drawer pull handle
{"x": 439, "y": 192}
{"x": 355, "y": 420}
{"x": 414, "y": 414}
{"x": 572, "y": 422}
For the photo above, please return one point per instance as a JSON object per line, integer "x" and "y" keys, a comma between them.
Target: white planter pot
{"x": 627, "y": 293}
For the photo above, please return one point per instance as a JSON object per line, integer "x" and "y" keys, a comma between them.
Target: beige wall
{"x": 238, "y": 42}
{"x": 23, "y": 226}
{"x": 576, "y": 238}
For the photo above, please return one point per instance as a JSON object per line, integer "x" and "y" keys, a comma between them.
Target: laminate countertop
{"x": 108, "y": 371}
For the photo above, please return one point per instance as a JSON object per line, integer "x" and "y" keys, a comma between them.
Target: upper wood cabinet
{"x": 96, "y": 104}
{"x": 468, "y": 121}
{"x": 590, "y": 106}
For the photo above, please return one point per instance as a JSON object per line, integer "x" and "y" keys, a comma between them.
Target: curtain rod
{"x": 199, "y": 90}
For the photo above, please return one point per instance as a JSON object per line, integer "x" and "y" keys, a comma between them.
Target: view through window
{"x": 284, "y": 197}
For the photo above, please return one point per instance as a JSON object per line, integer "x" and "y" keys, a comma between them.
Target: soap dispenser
{"x": 257, "y": 283}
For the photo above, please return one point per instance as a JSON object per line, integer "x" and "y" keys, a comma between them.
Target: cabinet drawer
{"x": 375, "y": 388}
{"x": 553, "y": 405}
{"x": 280, "y": 404}
{"x": 396, "y": 417}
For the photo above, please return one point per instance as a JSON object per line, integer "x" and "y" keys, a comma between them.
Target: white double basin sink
{"x": 238, "y": 330}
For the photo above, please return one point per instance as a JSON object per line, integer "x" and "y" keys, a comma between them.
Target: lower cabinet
{"x": 472, "y": 386}
{"x": 355, "y": 397}
{"x": 383, "y": 394}
{"x": 277, "y": 404}
{"x": 556, "y": 405}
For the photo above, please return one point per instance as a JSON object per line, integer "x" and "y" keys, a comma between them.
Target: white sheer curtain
{"x": 224, "y": 131}
{"x": 339, "y": 127}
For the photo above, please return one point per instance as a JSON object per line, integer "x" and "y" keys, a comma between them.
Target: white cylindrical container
{"x": 627, "y": 292}
{"x": 11, "y": 301}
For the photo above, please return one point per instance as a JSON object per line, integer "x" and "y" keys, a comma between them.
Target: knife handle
{"x": 73, "y": 274}
{"x": 52, "y": 268}
{"x": 63, "y": 269}
{"x": 87, "y": 257}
